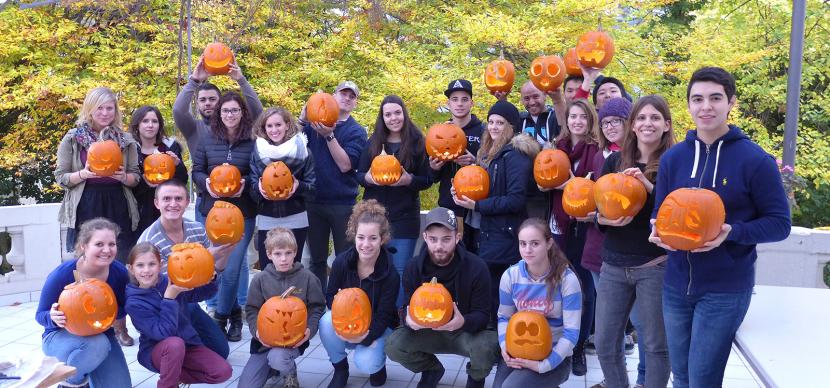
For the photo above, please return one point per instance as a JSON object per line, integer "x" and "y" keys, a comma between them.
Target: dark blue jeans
{"x": 700, "y": 330}
{"x": 208, "y": 331}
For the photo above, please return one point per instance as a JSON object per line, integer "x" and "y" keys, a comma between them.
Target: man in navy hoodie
{"x": 706, "y": 291}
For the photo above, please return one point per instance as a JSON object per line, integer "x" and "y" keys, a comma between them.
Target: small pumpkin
{"x": 547, "y": 73}
{"x": 619, "y": 195}
{"x": 572, "y": 63}
{"x": 159, "y": 168}
{"x": 104, "y": 157}
{"x": 89, "y": 306}
{"x": 499, "y": 75}
{"x": 225, "y": 180}
{"x": 528, "y": 336}
{"x": 351, "y": 313}
{"x": 217, "y": 58}
{"x": 471, "y": 181}
{"x": 595, "y": 49}
{"x": 282, "y": 320}
{"x": 224, "y": 223}
{"x": 385, "y": 169}
{"x": 551, "y": 168}
{"x": 431, "y": 305}
{"x": 578, "y": 197}
{"x": 445, "y": 142}
{"x": 277, "y": 181}
{"x": 190, "y": 265}
{"x": 690, "y": 217}
{"x": 322, "y": 108}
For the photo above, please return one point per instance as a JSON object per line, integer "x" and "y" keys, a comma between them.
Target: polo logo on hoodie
{"x": 724, "y": 182}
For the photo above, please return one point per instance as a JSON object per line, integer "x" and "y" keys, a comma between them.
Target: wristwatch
{"x": 330, "y": 137}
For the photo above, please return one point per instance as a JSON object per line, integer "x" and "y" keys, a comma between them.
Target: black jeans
{"x": 326, "y": 220}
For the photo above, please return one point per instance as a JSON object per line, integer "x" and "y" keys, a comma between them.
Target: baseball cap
{"x": 441, "y": 216}
{"x": 348, "y": 85}
{"x": 459, "y": 84}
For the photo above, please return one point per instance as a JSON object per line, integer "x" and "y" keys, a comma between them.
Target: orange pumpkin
{"x": 690, "y": 217}
{"x": 89, "y": 306}
{"x": 551, "y": 168}
{"x": 225, "y": 180}
{"x": 528, "y": 336}
{"x": 385, "y": 169}
{"x": 224, "y": 223}
{"x": 471, "y": 181}
{"x": 277, "y": 181}
{"x": 351, "y": 313}
{"x": 572, "y": 63}
{"x": 547, "y": 73}
{"x": 159, "y": 168}
{"x": 578, "y": 197}
{"x": 595, "y": 49}
{"x": 446, "y": 142}
{"x": 104, "y": 157}
{"x": 282, "y": 320}
{"x": 619, "y": 195}
{"x": 499, "y": 75}
{"x": 190, "y": 265}
{"x": 431, "y": 305}
{"x": 217, "y": 58}
{"x": 322, "y": 108}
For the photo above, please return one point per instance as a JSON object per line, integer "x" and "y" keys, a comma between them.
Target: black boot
{"x": 378, "y": 378}
{"x": 430, "y": 378}
{"x": 235, "y": 330}
{"x": 579, "y": 366}
{"x": 341, "y": 374}
{"x": 473, "y": 383}
{"x": 222, "y": 322}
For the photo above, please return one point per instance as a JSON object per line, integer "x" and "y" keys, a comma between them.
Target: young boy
{"x": 277, "y": 277}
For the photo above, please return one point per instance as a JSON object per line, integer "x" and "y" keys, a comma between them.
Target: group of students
{"x": 515, "y": 250}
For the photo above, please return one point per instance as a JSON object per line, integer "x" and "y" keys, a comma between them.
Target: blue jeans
{"x": 369, "y": 359}
{"x": 641, "y": 364}
{"x": 700, "y": 330}
{"x": 405, "y": 247}
{"x": 98, "y": 357}
{"x": 233, "y": 282}
{"x": 208, "y": 331}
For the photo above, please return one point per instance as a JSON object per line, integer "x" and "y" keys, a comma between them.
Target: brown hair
{"x": 489, "y": 147}
{"x": 291, "y": 124}
{"x": 142, "y": 248}
{"x": 138, "y": 116}
{"x": 557, "y": 259}
{"x": 593, "y": 123}
{"x": 280, "y": 237}
{"x": 91, "y": 226}
{"x": 365, "y": 212}
{"x": 630, "y": 153}
{"x": 217, "y": 126}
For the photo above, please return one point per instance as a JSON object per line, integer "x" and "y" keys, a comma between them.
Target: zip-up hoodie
{"x": 748, "y": 181}
{"x": 381, "y": 287}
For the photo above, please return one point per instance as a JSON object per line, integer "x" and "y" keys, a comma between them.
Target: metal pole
{"x": 190, "y": 44}
{"x": 794, "y": 84}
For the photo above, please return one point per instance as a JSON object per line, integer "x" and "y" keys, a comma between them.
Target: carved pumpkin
{"x": 578, "y": 197}
{"x": 322, "y": 108}
{"x": 446, "y": 142}
{"x": 595, "y": 49}
{"x": 190, "y": 265}
{"x": 572, "y": 63}
{"x": 471, "y": 181}
{"x": 224, "y": 223}
{"x": 282, "y": 320}
{"x": 385, "y": 169}
{"x": 217, "y": 58}
{"x": 351, "y": 313}
{"x": 528, "y": 336}
{"x": 551, "y": 168}
{"x": 618, "y": 195}
{"x": 499, "y": 75}
{"x": 104, "y": 157}
{"x": 277, "y": 181}
{"x": 225, "y": 180}
{"x": 159, "y": 168}
{"x": 89, "y": 305}
{"x": 690, "y": 217}
{"x": 431, "y": 305}
{"x": 547, "y": 73}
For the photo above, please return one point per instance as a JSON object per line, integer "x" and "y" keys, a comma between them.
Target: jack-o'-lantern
{"x": 322, "y": 108}
{"x": 551, "y": 168}
{"x": 351, "y": 313}
{"x": 217, "y": 58}
{"x": 619, "y": 195}
{"x": 446, "y": 141}
{"x": 89, "y": 306}
{"x": 224, "y": 223}
{"x": 282, "y": 320}
{"x": 572, "y": 63}
{"x": 595, "y": 49}
{"x": 690, "y": 217}
{"x": 104, "y": 157}
{"x": 431, "y": 305}
{"x": 159, "y": 168}
{"x": 547, "y": 73}
{"x": 528, "y": 336}
{"x": 190, "y": 265}
{"x": 225, "y": 180}
{"x": 277, "y": 181}
{"x": 385, "y": 169}
{"x": 578, "y": 197}
{"x": 499, "y": 75}
{"x": 471, "y": 181}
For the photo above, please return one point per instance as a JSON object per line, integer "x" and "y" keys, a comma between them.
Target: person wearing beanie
{"x": 606, "y": 88}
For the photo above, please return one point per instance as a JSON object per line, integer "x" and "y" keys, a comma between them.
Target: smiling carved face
{"x": 89, "y": 306}
{"x": 190, "y": 265}
{"x": 431, "y": 305}
{"x": 618, "y": 195}
{"x": 104, "y": 157}
{"x": 282, "y": 321}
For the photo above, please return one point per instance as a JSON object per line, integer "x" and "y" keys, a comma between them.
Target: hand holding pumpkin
{"x": 173, "y": 290}
{"x": 174, "y": 156}
{"x": 455, "y": 323}
{"x": 466, "y": 159}
{"x": 521, "y": 363}
{"x": 199, "y": 73}
{"x": 305, "y": 338}
{"x": 622, "y": 221}
{"x": 235, "y": 72}
{"x": 405, "y": 180}
{"x": 220, "y": 255}
{"x": 708, "y": 246}
{"x": 436, "y": 164}
{"x": 501, "y": 96}
{"x": 322, "y": 129}
{"x": 57, "y": 316}
{"x": 121, "y": 176}
{"x": 655, "y": 239}
{"x": 635, "y": 172}
{"x": 412, "y": 324}
{"x": 464, "y": 201}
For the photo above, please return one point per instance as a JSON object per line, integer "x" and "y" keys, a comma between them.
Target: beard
{"x": 441, "y": 258}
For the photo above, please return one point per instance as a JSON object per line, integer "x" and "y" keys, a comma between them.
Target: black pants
{"x": 108, "y": 201}
{"x": 326, "y": 220}
{"x": 573, "y": 250}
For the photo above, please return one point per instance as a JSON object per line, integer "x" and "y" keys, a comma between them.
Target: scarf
{"x": 85, "y": 136}
{"x": 293, "y": 152}
{"x": 582, "y": 152}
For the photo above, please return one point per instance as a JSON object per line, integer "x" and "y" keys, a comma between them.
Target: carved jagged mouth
{"x": 429, "y": 315}
{"x": 549, "y": 174}
{"x": 615, "y": 197}
{"x": 217, "y": 235}
{"x": 446, "y": 154}
{"x": 526, "y": 342}
{"x": 576, "y": 203}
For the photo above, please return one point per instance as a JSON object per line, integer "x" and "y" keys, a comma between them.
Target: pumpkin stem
{"x": 288, "y": 292}
{"x": 434, "y": 280}
{"x": 383, "y": 149}
{"x": 599, "y": 22}
{"x": 501, "y": 54}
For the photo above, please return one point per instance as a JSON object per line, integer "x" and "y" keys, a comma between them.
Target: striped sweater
{"x": 194, "y": 232}
{"x": 517, "y": 291}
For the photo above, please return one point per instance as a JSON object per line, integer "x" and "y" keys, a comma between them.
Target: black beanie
{"x": 614, "y": 81}
{"x": 508, "y": 111}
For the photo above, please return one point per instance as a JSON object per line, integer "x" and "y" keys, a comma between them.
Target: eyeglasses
{"x": 611, "y": 123}
{"x": 230, "y": 112}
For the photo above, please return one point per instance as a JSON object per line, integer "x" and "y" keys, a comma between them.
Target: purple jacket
{"x": 594, "y": 238}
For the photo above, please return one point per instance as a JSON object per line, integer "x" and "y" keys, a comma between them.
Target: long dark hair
{"x": 630, "y": 153}
{"x": 218, "y": 128}
{"x": 593, "y": 123}
{"x": 135, "y": 121}
{"x": 558, "y": 261}
{"x": 411, "y": 137}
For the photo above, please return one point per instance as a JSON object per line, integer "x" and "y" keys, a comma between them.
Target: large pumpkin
{"x": 431, "y": 305}
{"x": 225, "y": 180}
{"x": 322, "y": 108}
{"x": 547, "y": 72}
{"x": 595, "y": 49}
{"x": 471, "y": 181}
{"x": 528, "y": 336}
{"x": 445, "y": 141}
{"x": 224, "y": 223}
{"x": 277, "y": 181}
{"x": 690, "y": 217}
{"x": 217, "y": 58}
{"x": 572, "y": 63}
{"x": 190, "y": 265}
{"x": 282, "y": 320}
{"x": 159, "y": 168}
{"x": 618, "y": 195}
{"x": 104, "y": 157}
{"x": 578, "y": 197}
{"x": 351, "y": 313}
{"x": 551, "y": 168}
{"x": 499, "y": 75}
{"x": 385, "y": 169}
{"x": 89, "y": 306}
